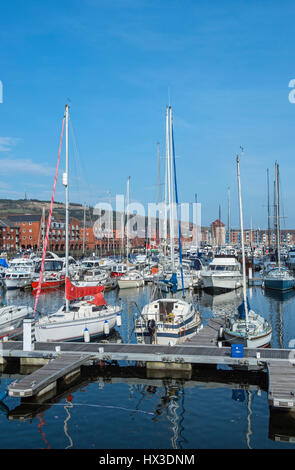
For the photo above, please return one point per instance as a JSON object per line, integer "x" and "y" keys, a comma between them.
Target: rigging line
{"x": 81, "y": 173}
{"x": 90, "y": 405}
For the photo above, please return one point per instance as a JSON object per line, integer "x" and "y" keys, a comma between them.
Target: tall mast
{"x": 109, "y": 200}
{"x": 159, "y": 193}
{"x": 229, "y": 236}
{"x": 84, "y": 224}
{"x": 127, "y": 214}
{"x": 268, "y": 210}
{"x": 278, "y": 216}
{"x": 66, "y": 184}
{"x": 171, "y": 191}
{"x": 168, "y": 189}
{"x": 242, "y": 238}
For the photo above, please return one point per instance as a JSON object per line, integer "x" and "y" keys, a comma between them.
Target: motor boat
{"x": 223, "y": 273}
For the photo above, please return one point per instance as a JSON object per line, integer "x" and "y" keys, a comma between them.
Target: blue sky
{"x": 225, "y": 66}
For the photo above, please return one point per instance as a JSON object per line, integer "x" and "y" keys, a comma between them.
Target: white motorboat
{"x": 223, "y": 273}
{"x": 167, "y": 322}
{"x": 20, "y": 273}
{"x": 12, "y": 316}
{"x": 131, "y": 279}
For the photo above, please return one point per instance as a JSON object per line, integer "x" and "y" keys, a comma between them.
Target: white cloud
{"x": 7, "y": 142}
{"x": 17, "y": 166}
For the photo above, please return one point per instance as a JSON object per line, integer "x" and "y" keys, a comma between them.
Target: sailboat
{"x": 131, "y": 278}
{"x": 278, "y": 277}
{"x": 88, "y": 315}
{"x": 244, "y": 326}
{"x": 169, "y": 321}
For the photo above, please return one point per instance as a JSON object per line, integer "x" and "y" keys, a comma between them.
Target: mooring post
{"x": 27, "y": 335}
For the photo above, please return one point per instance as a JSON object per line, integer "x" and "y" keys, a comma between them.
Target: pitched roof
{"x": 25, "y": 218}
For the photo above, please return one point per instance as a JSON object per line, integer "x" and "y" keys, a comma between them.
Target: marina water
{"x": 120, "y": 408}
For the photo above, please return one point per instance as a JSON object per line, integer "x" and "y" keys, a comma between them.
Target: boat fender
{"x": 220, "y": 333}
{"x": 106, "y": 327}
{"x": 86, "y": 335}
{"x": 119, "y": 320}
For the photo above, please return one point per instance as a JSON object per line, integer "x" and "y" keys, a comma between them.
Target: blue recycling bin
{"x": 237, "y": 350}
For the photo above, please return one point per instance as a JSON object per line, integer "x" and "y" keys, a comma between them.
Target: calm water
{"x": 122, "y": 409}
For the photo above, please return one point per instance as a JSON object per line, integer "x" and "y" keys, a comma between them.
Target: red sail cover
{"x": 75, "y": 292}
{"x": 98, "y": 300}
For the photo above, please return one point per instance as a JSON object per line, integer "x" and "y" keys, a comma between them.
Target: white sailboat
{"x": 169, "y": 321}
{"x": 279, "y": 277}
{"x": 84, "y": 314}
{"x": 244, "y": 326}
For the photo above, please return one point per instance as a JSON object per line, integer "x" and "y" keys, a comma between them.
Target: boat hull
{"x": 17, "y": 283}
{"x": 168, "y": 335}
{"x": 221, "y": 283}
{"x": 127, "y": 284}
{"x": 48, "y": 284}
{"x": 278, "y": 284}
{"x": 259, "y": 341}
{"x": 74, "y": 330}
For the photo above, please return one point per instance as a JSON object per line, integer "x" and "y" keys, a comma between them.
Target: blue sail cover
{"x": 3, "y": 263}
{"x": 241, "y": 310}
{"x": 172, "y": 282}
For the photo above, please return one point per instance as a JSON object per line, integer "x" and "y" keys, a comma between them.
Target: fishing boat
{"x": 53, "y": 273}
{"x": 244, "y": 326}
{"x": 169, "y": 321}
{"x": 278, "y": 278}
{"x": 85, "y": 313}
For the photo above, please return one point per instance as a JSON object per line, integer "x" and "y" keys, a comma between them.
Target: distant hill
{"x": 34, "y": 206}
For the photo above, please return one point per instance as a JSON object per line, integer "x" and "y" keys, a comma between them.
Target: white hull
{"x": 128, "y": 283}
{"x": 223, "y": 282}
{"x": 252, "y": 342}
{"x": 17, "y": 283}
{"x": 167, "y": 336}
{"x": 70, "y": 330}
{"x": 12, "y": 316}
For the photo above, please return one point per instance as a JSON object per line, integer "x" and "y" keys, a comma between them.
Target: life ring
{"x": 154, "y": 270}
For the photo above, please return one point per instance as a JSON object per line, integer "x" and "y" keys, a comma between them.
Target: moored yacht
{"x": 223, "y": 273}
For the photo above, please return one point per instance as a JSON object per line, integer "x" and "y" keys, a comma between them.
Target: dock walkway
{"x": 67, "y": 358}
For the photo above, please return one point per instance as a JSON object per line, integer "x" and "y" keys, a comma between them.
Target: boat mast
{"x": 66, "y": 184}
{"x": 242, "y": 238}
{"x": 229, "y": 237}
{"x": 171, "y": 191}
{"x": 268, "y": 211}
{"x": 165, "y": 193}
{"x": 278, "y": 216}
{"x": 127, "y": 213}
{"x": 84, "y": 224}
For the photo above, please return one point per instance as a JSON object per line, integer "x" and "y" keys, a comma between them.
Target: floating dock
{"x": 63, "y": 361}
